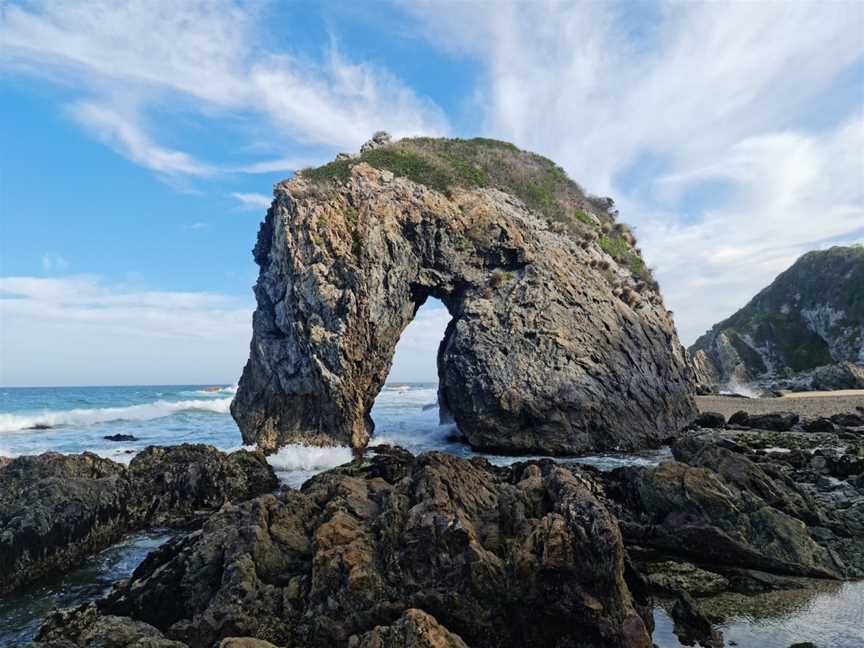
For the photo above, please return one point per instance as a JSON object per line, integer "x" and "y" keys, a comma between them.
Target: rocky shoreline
{"x": 436, "y": 550}
{"x": 56, "y": 510}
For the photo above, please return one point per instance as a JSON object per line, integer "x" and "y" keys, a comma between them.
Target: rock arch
{"x": 544, "y": 351}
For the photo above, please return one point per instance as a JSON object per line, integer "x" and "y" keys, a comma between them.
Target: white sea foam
{"x": 77, "y": 417}
{"x": 230, "y": 390}
{"x": 309, "y": 458}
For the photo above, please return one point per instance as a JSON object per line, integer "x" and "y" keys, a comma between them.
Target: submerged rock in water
{"x": 120, "y": 437}
{"x": 56, "y": 509}
{"x": 559, "y": 342}
{"x": 523, "y": 556}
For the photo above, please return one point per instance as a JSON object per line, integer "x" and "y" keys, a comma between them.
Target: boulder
{"x": 695, "y": 513}
{"x": 519, "y": 556}
{"x": 174, "y": 482}
{"x": 775, "y": 421}
{"x": 414, "y": 629}
{"x": 120, "y": 437}
{"x": 692, "y": 625}
{"x": 84, "y": 627}
{"x": 710, "y": 420}
{"x": 55, "y": 510}
{"x": 559, "y": 339}
{"x": 819, "y": 424}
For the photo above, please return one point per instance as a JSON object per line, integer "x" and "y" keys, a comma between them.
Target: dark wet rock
{"x": 414, "y": 629}
{"x": 775, "y": 421}
{"x": 848, "y": 419}
{"x": 820, "y": 424}
{"x": 556, "y": 345}
{"x": 747, "y": 476}
{"x": 175, "y": 482}
{"x": 694, "y": 512}
{"x": 519, "y": 556}
{"x": 824, "y": 489}
{"x": 710, "y": 420}
{"x": 120, "y": 437}
{"x": 692, "y": 625}
{"x": 55, "y": 510}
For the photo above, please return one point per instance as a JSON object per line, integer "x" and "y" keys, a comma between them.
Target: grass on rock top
{"x": 444, "y": 164}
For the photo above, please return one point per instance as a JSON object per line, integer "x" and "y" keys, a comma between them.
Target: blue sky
{"x": 140, "y": 142}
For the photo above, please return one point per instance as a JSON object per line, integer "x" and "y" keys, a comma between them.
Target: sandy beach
{"x": 806, "y": 404}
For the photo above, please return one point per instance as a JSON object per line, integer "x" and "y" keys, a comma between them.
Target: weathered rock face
{"x": 524, "y": 556}
{"x": 56, "y": 509}
{"x": 559, "y": 339}
{"x": 812, "y": 315}
{"x": 414, "y": 629}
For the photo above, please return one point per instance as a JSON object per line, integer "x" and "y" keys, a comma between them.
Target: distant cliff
{"x": 812, "y": 315}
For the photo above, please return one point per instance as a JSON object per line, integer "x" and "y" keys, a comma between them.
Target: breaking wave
{"x": 78, "y": 417}
{"x": 309, "y": 458}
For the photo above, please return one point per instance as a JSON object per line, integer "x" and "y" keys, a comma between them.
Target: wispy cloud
{"x": 203, "y": 56}
{"x": 700, "y": 119}
{"x": 123, "y": 133}
{"x": 253, "y": 200}
{"x": 82, "y": 329}
{"x": 52, "y": 263}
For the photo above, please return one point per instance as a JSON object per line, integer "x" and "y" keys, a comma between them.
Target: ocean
{"x": 77, "y": 419}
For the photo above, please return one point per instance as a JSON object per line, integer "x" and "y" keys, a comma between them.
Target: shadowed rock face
{"x": 56, "y": 509}
{"x": 554, "y": 345}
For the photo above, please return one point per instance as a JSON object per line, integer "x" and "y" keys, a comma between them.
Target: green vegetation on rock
{"x": 811, "y": 315}
{"x": 447, "y": 164}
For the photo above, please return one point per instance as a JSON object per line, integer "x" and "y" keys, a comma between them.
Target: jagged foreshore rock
{"x": 523, "y": 556}
{"x": 696, "y": 514}
{"x": 559, "y": 340}
{"x": 728, "y": 505}
{"x": 56, "y": 509}
{"x": 176, "y": 482}
{"x": 414, "y": 629}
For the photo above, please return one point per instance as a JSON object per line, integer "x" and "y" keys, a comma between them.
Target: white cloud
{"x": 124, "y": 134}
{"x": 794, "y": 193}
{"x": 253, "y": 200}
{"x": 82, "y": 330}
{"x": 54, "y": 263}
{"x": 203, "y": 57}
{"x": 697, "y": 92}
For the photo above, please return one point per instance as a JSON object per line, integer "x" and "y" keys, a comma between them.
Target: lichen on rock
{"x": 557, "y": 343}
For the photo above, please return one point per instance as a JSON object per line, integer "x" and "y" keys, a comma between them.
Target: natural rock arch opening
{"x": 558, "y": 341}
{"x": 406, "y": 411}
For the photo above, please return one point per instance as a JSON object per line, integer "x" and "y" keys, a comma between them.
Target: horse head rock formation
{"x": 559, "y": 340}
